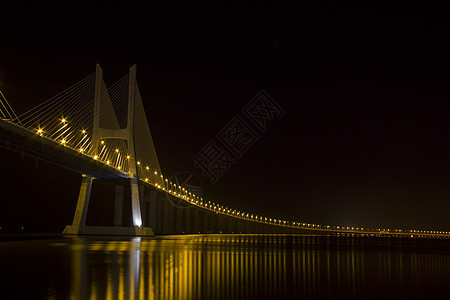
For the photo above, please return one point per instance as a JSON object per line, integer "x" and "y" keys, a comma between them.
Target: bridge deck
{"x": 20, "y": 139}
{"x": 17, "y": 138}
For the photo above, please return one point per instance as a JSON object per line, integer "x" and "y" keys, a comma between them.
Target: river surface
{"x": 225, "y": 267}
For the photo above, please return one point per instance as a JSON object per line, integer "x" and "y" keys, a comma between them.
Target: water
{"x": 225, "y": 267}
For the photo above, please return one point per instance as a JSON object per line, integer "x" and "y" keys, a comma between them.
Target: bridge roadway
{"x": 165, "y": 212}
{"x": 20, "y": 139}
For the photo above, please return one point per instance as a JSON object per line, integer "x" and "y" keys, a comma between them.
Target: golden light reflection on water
{"x": 253, "y": 267}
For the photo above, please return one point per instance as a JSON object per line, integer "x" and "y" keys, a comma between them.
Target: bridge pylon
{"x": 99, "y": 133}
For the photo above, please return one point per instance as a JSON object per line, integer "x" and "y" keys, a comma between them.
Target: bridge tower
{"x": 79, "y": 221}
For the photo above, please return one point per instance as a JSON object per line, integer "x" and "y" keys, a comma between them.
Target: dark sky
{"x": 365, "y": 136}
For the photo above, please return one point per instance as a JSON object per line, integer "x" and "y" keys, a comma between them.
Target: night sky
{"x": 364, "y": 139}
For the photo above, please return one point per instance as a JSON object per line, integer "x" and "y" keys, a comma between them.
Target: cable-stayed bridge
{"x": 103, "y": 132}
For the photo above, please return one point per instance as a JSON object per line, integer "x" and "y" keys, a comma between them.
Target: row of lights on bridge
{"x": 182, "y": 193}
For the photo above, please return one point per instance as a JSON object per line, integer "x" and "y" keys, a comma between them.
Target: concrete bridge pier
{"x": 218, "y": 223}
{"x": 205, "y": 227}
{"x": 200, "y": 222}
{"x": 221, "y": 226}
{"x": 169, "y": 218}
{"x": 142, "y": 190}
{"x": 253, "y": 227}
{"x": 179, "y": 220}
{"x": 249, "y": 227}
{"x": 243, "y": 227}
{"x": 213, "y": 222}
{"x": 160, "y": 218}
{"x": 232, "y": 226}
{"x": 118, "y": 205}
{"x": 246, "y": 227}
{"x": 145, "y": 208}
{"x": 152, "y": 217}
{"x": 196, "y": 225}
{"x": 237, "y": 226}
{"x": 79, "y": 219}
{"x": 187, "y": 220}
{"x": 225, "y": 225}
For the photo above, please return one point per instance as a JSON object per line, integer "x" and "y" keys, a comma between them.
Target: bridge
{"x": 102, "y": 132}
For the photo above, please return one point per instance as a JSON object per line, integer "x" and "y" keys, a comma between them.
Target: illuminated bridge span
{"x": 103, "y": 132}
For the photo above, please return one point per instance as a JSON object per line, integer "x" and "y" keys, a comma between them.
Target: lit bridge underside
{"x": 168, "y": 208}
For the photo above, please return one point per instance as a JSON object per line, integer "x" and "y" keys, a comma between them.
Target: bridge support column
{"x": 214, "y": 223}
{"x": 145, "y": 209}
{"x": 206, "y": 223}
{"x": 118, "y": 206}
{"x": 153, "y": 210}
{"x": 179, "y": 220}
{"x": 83, "y": 201}
{"x": 221, "y": 227}
{"x": 187, "y": 220}
{"x": 141, "y": 201}
{"x": 240, "y": 227}
{"x": 196, "y": 228}
{"x": 135, "y": 202}
{"x": 160, "y": 214}
{"x": 236, "y": 225}
{"x": 225, "y": 227}
{"x": 79, "y": 219}
{"x": 168, "y": 224}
